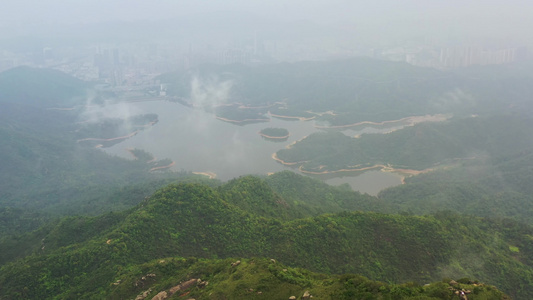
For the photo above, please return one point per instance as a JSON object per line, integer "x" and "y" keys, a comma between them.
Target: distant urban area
{"x": 137, "y": 64}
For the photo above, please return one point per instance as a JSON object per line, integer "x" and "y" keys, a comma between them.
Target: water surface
{"x": 197, "y": 141}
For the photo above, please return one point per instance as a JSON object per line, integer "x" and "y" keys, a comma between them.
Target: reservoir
{"x": 196, "y": 141}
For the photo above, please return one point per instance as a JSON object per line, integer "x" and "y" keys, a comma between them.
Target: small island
{"x": 275, "y": 134}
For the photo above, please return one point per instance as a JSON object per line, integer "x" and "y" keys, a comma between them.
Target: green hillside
{"x": 286, "y": 195}
{"x": 44, "y": 166}
{"x": 480, "y": 166}
{"x": 378, "y": 87}
{"x": 45, "y": 171}
{"x": 191, "y": 220}
{"x": 260, "y": 278}
{"x": 419, "y": 147}
{"x": 311, "y": 197}
{"x": 488, "y": 187}
{"x": 359, "y": 89}
{"x": 41, "y": 87}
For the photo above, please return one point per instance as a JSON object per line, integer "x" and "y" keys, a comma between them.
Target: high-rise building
{"x": 457, "y": 57}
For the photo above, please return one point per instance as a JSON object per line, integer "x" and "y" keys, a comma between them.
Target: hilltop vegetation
{"x": 260, "y": 278}
{"x": 489, "y": 187}
{"x": 196, "y": 220}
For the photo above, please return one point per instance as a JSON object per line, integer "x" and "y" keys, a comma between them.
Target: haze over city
{"x": 415, "y": 31}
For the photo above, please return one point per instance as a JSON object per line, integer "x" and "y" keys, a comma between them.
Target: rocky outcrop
{"x": 143, "y": 279}
{"x": 236, "y": 263}
{"x": 183, "y": 286}
{"x": 161, "y": 296}
{"x": 179, "y": 288}
{"x": 201, "y": 284}
{"x": 143, "y": 295}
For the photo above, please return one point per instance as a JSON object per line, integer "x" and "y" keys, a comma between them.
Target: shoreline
{"x": 243, "y": 106}
{"x": 274, "y": 137}
{"x": 130, "y": 151}
{"x": 384, "y": 168}
{"x": 61, "y": 108}
{"x": 110, "y": 139}
{"x": 150, "y": 124}
{"x": 289, "y": 146}
{"x": 411, "y": 120}
{"x": 329, "y": 112}
{"x": 292, "y": 117}
{"x": 403, "y": 173}
{"x": 162, "y": 167}
{"x": 211, "y": 175}
{"x": 341, "y": 170}
{"x": 276, "y": 158}
{"x": 241, "y": 121}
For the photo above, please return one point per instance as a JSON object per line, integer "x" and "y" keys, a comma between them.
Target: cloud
{"x": 108, "y": 110}
{"x": 452, "y": 100}
{"x": 209, "y": 92}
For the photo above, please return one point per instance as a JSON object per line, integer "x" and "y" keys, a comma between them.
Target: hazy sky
{"x": 98, "y": 10}
{"x": 484, "y": 18}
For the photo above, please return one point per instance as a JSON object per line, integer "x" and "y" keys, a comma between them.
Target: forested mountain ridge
{"x": 362, "y": 89}
{"x": 287, "y": 195}
{"x": 490, "y": 187}
{"x": 270, "y": 197}
{"x": 359, "y": 89}
{"x": 195, "y": 220}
